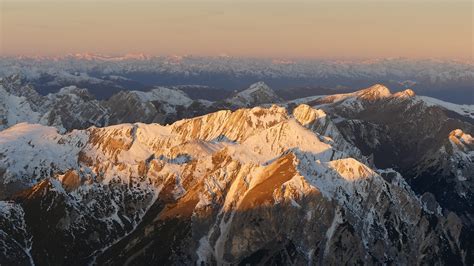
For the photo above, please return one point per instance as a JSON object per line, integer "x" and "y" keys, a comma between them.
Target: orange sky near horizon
{"x": 301, "y": 29}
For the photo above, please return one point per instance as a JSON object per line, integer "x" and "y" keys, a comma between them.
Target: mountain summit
{"x": 258, "y": 93}
{"x": 374, "y": 92}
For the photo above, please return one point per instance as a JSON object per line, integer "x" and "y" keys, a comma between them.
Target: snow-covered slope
{"x": 41, "y": 150}
{"x": 162, "y": 94}
{"x": 462, "y": 109}
{"x": 15, "y": 109}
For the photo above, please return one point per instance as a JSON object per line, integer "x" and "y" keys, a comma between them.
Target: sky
{"x": 261, "y": 28}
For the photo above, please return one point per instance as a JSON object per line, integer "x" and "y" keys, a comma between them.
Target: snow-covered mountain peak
{"x": 259, "y": 86}
{"x": 69, "y": 89}
{"x": 72, "y": 90}
{"x": 257, "y": 93}
{"x": 166, "y": 95}
{"x": 460, "y": 151}
{"x": 235, "y": 126}
{"x": 378, "y": 95}
{"x": 408, "y": 93}
{"x": 354, "y": 99}
{"x": 461, "y": 140}
{"x": 106, "y": 58}
{"x": 375, "y": 92}
{"x": 304, "y": 114}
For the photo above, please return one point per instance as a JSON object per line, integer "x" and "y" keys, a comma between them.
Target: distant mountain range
{"x": 370, "y": 176}
{"x": 217, "y": 77}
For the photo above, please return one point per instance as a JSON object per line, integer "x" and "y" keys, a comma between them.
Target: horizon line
{"x": 145, "y": 56}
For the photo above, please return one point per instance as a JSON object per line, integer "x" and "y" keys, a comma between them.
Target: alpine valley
{"x": 158, "y": 177}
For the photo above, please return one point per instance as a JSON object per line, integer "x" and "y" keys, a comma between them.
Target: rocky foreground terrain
{"x": 368, "y": 177}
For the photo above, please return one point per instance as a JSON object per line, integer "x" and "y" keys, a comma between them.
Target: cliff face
{"x": 255, "y": 186}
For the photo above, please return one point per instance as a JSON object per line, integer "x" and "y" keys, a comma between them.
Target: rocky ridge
{"x": 428, "y": 141}
{"x": 75, "y": 108}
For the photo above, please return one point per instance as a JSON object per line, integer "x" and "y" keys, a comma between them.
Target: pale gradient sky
{"x": 262, "y": 28}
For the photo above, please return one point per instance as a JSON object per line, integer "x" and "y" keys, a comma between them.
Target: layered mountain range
{"x": 449, "y": 80}
{"x": 368, "y": 177}
{"x": 76, "y": 108}
{"x": 434, "y": 70}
